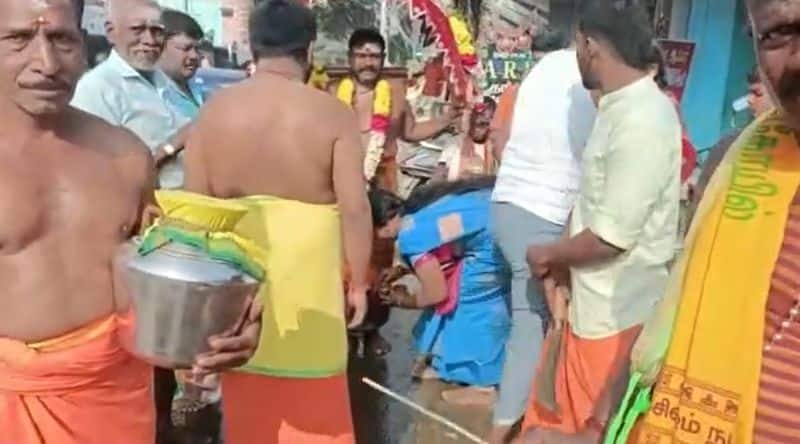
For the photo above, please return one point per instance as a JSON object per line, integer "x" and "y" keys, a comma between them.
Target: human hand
{"x": 395, "y": 296}
{"x": 543, "y": 263}
{"x": 557, "y": 298}
{"x": 234, "y": 347}
{"x": 357, "y": 306}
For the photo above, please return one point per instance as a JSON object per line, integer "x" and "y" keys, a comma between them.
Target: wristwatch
{"x": 169, "y": 149}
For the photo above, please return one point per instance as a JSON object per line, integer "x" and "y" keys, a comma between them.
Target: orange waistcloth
{"x": 590, "y": 379}
{"x": 505, "y": 108}
{"x": 267, "y": 410}
{"x": 80, "y": 388}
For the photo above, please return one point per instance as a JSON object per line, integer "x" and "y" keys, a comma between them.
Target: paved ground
{"x": 381, "y": 420}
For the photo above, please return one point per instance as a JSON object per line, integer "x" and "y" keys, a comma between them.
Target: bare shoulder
{"x": 340, "y": 114}
{"x": 121, "y": 146}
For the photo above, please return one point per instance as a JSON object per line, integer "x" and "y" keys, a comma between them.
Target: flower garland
{"x": 465, "y": 42}
{"x": 379, "y": 124}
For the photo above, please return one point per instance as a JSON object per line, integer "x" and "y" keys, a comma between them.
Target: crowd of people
{"x": 545, "y": 254}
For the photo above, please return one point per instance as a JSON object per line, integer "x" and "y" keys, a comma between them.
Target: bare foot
{"x": 471, "y": 396}
{"x": 506, "y": 434}
{"x": 419, "y": 370}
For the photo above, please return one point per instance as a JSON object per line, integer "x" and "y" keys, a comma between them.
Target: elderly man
{"x": 74, "y": 187}
{"x": 723, "y": 347}
{"x": 128, "y": 89}
{"x": 622, "y": 233}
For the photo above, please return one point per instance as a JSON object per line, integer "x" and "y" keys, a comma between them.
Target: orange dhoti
{"x": 270, "y": 410}
{"x": 81, "y": 388}
{"x": 590, "y": 380}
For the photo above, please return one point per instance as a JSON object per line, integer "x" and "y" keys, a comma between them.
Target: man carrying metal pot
{"x": 72, "y": 190}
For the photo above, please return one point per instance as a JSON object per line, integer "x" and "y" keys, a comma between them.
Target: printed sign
{"x": 503, "y": 69}
{"x": 678, "y": 56}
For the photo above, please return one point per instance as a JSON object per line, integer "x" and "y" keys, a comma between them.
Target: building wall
{"x": 234, "y": 22}
{"x": 722, "y": 58}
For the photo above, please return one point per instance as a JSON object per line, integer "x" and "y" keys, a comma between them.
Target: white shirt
{"x": 553, "y": 117}
{"x": 120, "y": 95}
{"x": 630, "y": 198}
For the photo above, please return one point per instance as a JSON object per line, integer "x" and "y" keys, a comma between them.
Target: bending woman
{"x": 443, "y": 235}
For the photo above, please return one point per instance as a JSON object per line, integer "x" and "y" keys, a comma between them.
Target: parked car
{"x": 211, "y": 80}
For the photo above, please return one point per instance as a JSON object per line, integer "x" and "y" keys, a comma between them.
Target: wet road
{"x": 382, "y": 420}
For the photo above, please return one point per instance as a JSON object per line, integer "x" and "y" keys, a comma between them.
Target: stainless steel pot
{"x": 176, "y": 298}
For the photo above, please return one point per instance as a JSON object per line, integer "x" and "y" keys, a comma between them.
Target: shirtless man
{"x": 294, "y": 153}
{"x": 73, "y": 188}
{"x": 367, "y": 51}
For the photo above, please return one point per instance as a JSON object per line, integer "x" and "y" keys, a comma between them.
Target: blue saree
{"x": 466, "y": 334}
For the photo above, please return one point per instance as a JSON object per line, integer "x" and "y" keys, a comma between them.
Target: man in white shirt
{"x": 536, "y": 188}
{"x": 128, "y": 89}
{"x": 623, "y": 230}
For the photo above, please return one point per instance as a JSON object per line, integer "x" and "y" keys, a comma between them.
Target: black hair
{"x": 385, "y": 206}
{"x": 656, "y": 59}
{"x": 548, "y": 40}
{"x": 79, "y": 6}
{"x": 364, "y": 36}
{"x": 177, "y": 23}
{"x": 280, "y": 28}
{"x": 431, "y": 192}
{"x": 624, "y": 25}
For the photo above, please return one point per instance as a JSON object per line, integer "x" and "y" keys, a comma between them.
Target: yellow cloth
{"x": 298, "y": 246}
{"x": 303, "y": 333}
{"x": 706, "y": 391}
{"x": 204, "y": 211}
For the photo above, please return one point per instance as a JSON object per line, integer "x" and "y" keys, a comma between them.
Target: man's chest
{"x": 40, "y": 200}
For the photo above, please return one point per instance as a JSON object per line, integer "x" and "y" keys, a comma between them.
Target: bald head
{"x": 120, "y": 9}
{"x": 776, "y": 31}
{"x": 135, "y": 29}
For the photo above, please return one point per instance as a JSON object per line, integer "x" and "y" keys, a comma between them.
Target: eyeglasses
{"x": 779, "y": 36}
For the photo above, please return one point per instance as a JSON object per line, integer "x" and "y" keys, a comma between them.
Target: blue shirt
{"x": 186, "y": 104}
{"x": 120, "y": 95}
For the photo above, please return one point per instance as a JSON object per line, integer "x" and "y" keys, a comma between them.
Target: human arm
{"x": 500, "y": 130}
{"x": 351, "y": 194}
{"x": 637, "y": 169}
{"x": 172, "y": 146}
{"x": 195, "y": 167}
{"x": 414, "y": 131}
{"x": 428, "y": 270}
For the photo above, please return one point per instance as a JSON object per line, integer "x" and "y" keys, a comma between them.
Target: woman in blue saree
{"x": 443, "y": 235}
